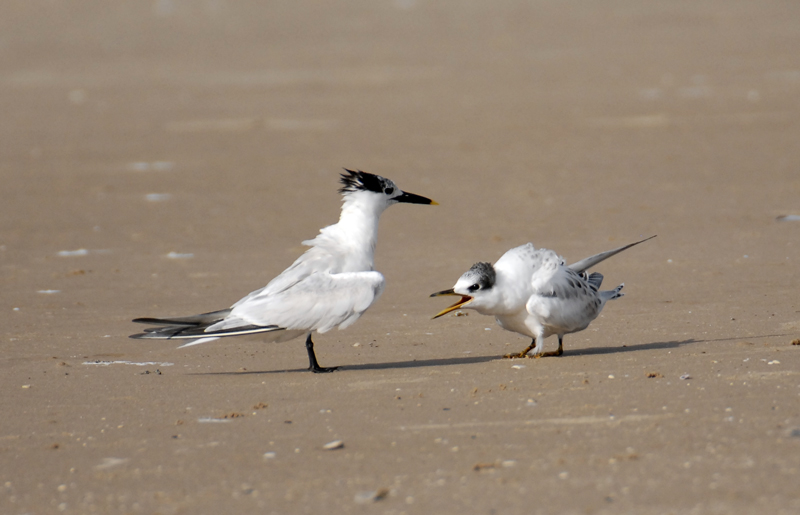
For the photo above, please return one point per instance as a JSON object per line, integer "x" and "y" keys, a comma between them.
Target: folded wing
{"x": 320, "y": 301}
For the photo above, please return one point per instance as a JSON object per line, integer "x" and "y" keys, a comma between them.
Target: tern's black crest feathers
{"x": 363, "y": 181}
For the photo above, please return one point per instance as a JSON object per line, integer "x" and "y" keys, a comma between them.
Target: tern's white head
{"x": 376, "y": 191}
{"x": 476, "y": 288}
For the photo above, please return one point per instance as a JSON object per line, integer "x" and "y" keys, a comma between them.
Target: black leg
{"x": 523, "y": 354}
{"x": 312, "y": 359}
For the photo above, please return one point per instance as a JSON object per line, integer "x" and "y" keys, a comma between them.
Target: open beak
{"x": 410, "y": 198}
{"x": 465, "y": 299}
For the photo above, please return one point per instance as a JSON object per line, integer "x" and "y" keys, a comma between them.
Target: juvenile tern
{"x": 330, "y": 285}
{"x": 535, "y": 293}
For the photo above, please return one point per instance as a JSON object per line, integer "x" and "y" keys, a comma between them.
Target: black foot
{"x": 321, "y": 370}
{"x": 313, "y": 365}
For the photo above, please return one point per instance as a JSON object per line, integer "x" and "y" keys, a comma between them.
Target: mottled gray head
{"x": 480, "y": 277}
{"x": 474, "y": 287}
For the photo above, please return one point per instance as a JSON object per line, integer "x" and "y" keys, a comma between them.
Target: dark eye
{"x": 389, "y": 190}
{"x": 474, "y": 287}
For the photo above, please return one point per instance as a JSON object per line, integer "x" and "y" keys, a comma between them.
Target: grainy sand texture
{"x": 167, "y": 157}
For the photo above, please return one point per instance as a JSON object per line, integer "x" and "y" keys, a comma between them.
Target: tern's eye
{"x": 389, "y": 190}
{"x": 474, "y": 287}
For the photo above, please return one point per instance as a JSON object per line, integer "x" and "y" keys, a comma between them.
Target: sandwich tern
{"x": 330, "y": 285}
{"x": 535, "y": 293}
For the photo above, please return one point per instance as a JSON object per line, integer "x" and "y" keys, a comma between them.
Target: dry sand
{"x": 578, "y": 126}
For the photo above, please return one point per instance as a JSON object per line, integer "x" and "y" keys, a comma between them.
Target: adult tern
{"x": 330, "y": 285}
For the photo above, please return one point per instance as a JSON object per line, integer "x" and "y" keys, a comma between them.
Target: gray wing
{"x": 563, "y": 301}
{"x": 314, "y": 260}
{"x": 585, "y": 264}
{"x": 561, "y": 283}
{"x": 320, "y": 301}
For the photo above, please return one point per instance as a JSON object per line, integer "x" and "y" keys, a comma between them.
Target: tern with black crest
{"x": 534, "y": 292}
{"x": 331, "y": 285}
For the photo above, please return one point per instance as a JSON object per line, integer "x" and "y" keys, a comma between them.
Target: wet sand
{"x": 179, "y": 152}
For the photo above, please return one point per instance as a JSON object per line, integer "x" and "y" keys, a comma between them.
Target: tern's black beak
{"x": 465, "y": 299}
{"x": 410, "y": 198}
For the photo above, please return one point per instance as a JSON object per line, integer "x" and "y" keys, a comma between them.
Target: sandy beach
{"x": 166, "y": 158}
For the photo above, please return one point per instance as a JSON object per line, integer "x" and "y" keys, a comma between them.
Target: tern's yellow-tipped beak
{"x": 413, "y": 198}
{"x": 465, "y": 299}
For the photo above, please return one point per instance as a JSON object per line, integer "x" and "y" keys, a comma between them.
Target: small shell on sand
{"x": 332, "y": 446}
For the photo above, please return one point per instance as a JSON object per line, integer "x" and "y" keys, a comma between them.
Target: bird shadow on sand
{"x": 660, "y": 345}
{"x": 418, "y": 363}
{"x": 470, "y": 360}
{"x": 422, "y": 363}
{"x": 630, "y": 348}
